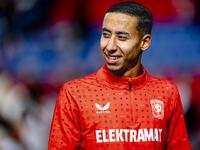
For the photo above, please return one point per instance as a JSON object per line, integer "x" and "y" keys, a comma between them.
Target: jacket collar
{"x": 123, "y": 82}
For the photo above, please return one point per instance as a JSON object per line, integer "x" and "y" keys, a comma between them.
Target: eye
{"x": 123, "y": 38}
{"x": 105, "y": 35}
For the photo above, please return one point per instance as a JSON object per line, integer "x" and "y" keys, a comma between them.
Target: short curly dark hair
{"x": 145, "y": 17}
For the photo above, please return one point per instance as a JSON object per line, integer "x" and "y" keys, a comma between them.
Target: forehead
{"x": 120, "y": 21}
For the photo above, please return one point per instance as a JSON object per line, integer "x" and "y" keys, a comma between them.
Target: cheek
{"x": 127, "y": 48}
{"x": 102, "y": 44}
{"x": 131, "y": 51}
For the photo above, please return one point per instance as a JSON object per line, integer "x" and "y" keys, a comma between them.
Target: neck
{"x": 134, "y": 72}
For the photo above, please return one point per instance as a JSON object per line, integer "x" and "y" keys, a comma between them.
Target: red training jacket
{"x": 105, "y": 111}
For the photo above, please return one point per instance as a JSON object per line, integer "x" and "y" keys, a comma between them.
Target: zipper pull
{"x": 130, "y": 85}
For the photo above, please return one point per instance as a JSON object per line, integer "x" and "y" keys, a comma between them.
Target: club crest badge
{"x": 157, "y": 108}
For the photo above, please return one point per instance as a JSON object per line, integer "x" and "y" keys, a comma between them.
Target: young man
{"x": 120, "y": 106}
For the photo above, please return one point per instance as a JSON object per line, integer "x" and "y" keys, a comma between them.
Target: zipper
{"x": 131, "y": 123}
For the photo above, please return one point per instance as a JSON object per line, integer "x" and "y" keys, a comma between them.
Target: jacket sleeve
{"x": 65, "y": 129}
{"x": 177, "y": 131}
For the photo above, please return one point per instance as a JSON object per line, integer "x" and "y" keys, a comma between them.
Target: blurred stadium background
{"x": 45, "y": 43}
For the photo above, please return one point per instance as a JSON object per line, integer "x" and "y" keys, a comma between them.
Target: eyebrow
{"x": 105, "y": 29}
{"x": 118, "y": 32}
{"x": 122, "y": 32}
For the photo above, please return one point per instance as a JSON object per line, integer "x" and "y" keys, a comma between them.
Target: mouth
{"x": 112, "y": 59}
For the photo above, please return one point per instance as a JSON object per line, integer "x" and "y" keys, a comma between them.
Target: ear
{"x": 145, "y": 42}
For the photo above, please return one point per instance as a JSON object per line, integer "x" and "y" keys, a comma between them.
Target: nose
{"x": 111, "y": 45}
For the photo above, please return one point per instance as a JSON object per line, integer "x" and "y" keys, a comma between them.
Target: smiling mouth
{"x": 113, "y": 57}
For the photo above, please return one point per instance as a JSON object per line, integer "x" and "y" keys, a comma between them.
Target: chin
{"x": 113, "y": 68}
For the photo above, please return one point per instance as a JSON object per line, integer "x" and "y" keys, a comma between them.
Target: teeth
{"x": 112, "y": 57}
